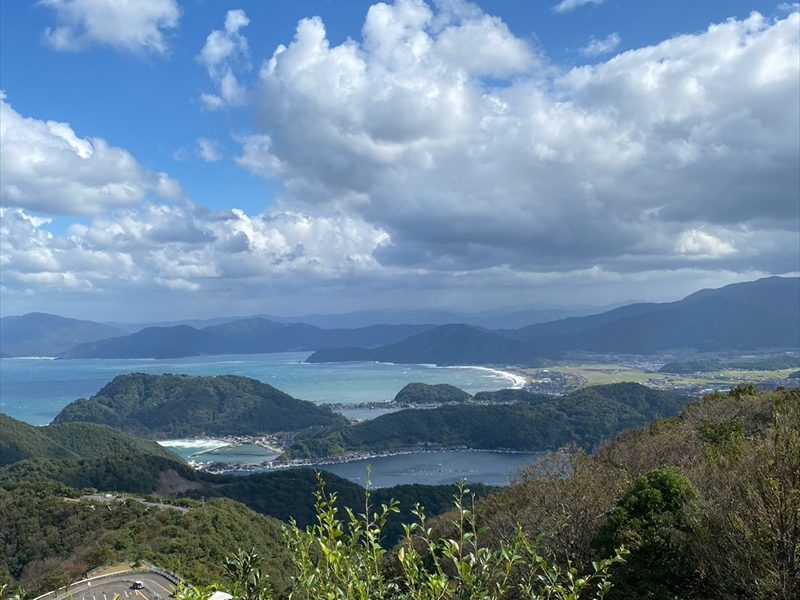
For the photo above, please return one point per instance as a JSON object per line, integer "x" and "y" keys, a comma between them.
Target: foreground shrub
{"x": 343, "y": 559}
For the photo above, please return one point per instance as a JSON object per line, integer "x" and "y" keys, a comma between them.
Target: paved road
{"x": 105, "y": 588}
{"x": 108, "y": 498}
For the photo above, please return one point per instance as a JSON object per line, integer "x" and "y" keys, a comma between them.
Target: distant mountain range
{"x": 500, "y": 318}
{"x": 443, "y": 345}
{"x": 246, "y": 336}
{"x": 745, "y": 316}
{"x": 42, "y": 334}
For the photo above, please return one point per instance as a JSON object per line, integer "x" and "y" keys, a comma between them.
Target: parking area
{"x": 120, "y": 586}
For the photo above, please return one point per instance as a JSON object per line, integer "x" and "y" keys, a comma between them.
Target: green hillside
{"x": 424, "y": 393}
{"x": 585, "y": 417}
{"x": 19, "y": 441}
{"x": 165, "y": 406}
{"x": 49, "y": 541}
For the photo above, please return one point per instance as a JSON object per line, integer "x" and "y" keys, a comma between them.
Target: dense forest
{"x": 173, "y": 406}
{"x": 704, "y": 505}
{"x": 585, "y": 417}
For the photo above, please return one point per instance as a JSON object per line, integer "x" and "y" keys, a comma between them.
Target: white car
{"x": 137, "y": 585}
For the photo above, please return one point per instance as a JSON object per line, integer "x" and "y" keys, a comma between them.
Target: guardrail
{"x": 168, "y": 575}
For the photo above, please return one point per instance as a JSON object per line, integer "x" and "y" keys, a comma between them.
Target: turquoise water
{"x": 35, "y": 390}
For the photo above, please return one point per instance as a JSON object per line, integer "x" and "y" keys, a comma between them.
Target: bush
{"x": 654, "y": 519}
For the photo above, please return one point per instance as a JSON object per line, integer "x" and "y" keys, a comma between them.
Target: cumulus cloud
{"x": 46, "y": 166}
{"x": 208, "y": 150}
{"x": 698, "y": 243}
{"x": 604, "y": 46}
{"x": 442, "y": 158}
{"x": 137, "y": 26}
{"x": 570, "y": 5}
{"x": 605, "y": 164}
{"x": 224, "y": 50}
{"x": 183, "y": 248}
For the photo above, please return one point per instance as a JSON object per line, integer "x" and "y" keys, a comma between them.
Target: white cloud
{"x": 548, "y": 169}
{"x": 603, "y": 46}
{"x": 570, "y": 5}
{"x": 208, "y": 150}
{"x": 184, "y": 249}
{"x": 132, "y": 25}
{"x": 224, "y": 50}
{"x": 698, "y": 243}
{"x": 442, "y": 159}
{"x": 47, "y": 167}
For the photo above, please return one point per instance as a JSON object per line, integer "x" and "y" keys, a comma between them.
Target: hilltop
{"x": 424, "y": 393}
{"x": 585, "y": 417}
{"x": 170, "y": 406}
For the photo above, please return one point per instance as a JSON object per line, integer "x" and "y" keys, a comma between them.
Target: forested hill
{"x": 585, "y": 417}
{"x": 20, "y": 441}
{"x": 169, "y": 406}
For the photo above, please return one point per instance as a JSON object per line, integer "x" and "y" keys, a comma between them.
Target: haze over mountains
{"x": 745, "y": 316}
{"x": 500, "y": 318}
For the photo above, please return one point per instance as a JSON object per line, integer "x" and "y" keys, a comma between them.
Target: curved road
{"x": 156, "y": 587}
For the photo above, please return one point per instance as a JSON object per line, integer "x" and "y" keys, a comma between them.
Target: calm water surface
{"x": 36, "y": 390}
{"x": 436, "y": 468}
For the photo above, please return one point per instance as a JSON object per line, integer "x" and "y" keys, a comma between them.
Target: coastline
{"x": 518, "y": 380}
{"x": 275, "y": 465}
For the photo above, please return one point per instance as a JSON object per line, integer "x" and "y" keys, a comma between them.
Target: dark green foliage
{"x": 47, "y": 539}
{"x": 424, "y": 393}
{"x": 767, "y": 363}
{"x": 721, "y": 433}
{"x": 84, "y": 455}
{"x": 735, "y": 537}
{"x": 653, "y": 520}
{"x": 41, "y": 334}
{"x": 511, "y": 395}
{"x": 162, "y": 406}
{"x": 19, "y": 441}
{"x": 742, "y": 391}
{"x": 693, "y": 366}
{"x": 289, "y": 494}
{"x": 585, "y": 417}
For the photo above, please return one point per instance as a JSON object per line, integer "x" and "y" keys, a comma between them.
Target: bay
{"x": 435, "y": 468}
{"x": 35, "y": 390}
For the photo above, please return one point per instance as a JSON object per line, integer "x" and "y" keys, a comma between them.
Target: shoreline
{"x": 238, "y": 468}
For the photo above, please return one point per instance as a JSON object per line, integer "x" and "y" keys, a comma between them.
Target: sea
{"x": 35, "y": 389}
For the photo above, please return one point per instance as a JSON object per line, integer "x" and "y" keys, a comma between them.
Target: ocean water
{"x": 436, "y": 468}
{"x": 35, "y": 390}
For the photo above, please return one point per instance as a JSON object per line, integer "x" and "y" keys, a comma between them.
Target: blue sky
{"x": 343, "y": 170}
